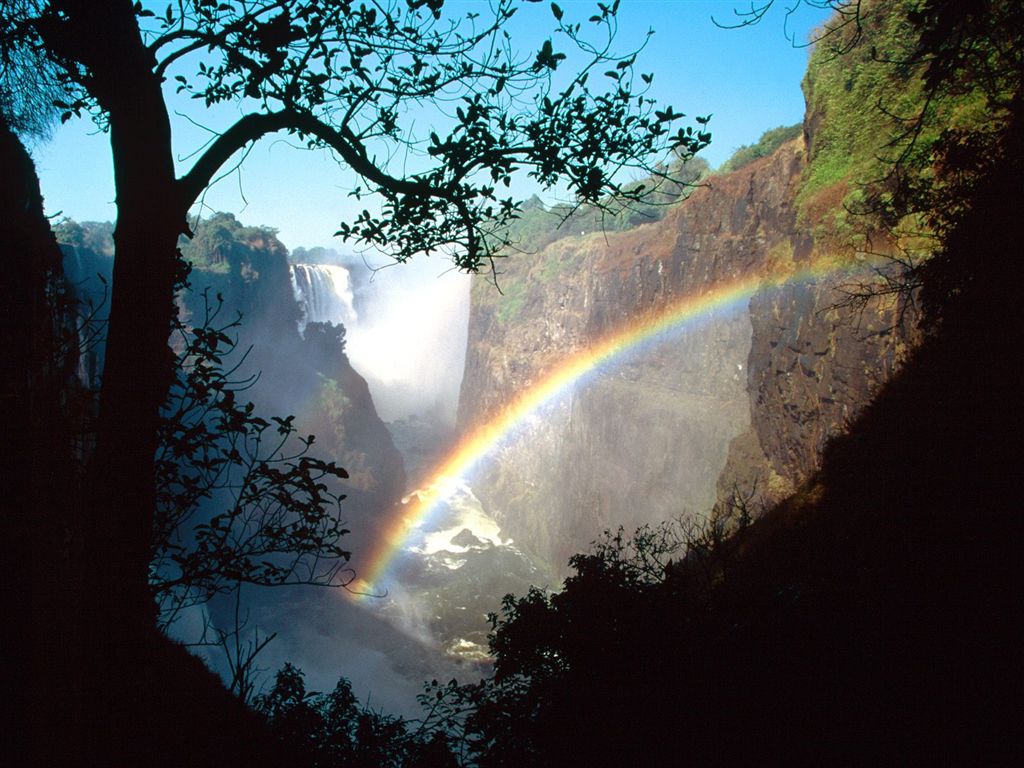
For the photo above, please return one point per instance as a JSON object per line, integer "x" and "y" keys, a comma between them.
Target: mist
{"x": 405, "y": 334}
{"x": 406, "y": 330}
{"x": 411, "y": 342}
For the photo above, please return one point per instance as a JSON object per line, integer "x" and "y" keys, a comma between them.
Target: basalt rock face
{"x": 735, "y": 402}
{"x": 333, "y": 401}
{"x": 644, "y": 437}
{"x": 246, "y": 277}
{"x": 308, "y": 374}
{"x": 814, "y": 363}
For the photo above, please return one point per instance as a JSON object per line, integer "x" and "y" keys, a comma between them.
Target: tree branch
{"x": 254, "y": 126}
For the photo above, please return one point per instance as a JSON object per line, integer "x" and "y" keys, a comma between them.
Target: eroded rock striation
{"x": 735, "y": 403}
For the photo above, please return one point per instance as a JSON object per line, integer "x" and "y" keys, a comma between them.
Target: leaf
{"x": 556, "y": 11}
{"x": 667, "y": 116}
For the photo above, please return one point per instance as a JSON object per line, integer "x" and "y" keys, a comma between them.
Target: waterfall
{"x": 324, "y": 293}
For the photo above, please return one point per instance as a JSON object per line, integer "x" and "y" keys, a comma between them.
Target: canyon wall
{"x": 306, "y": 374}
{"x": 242, "y": 273}
{"x": 734, "y": 405}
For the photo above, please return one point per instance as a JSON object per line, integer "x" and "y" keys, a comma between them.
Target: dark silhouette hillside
{"x": 893, "y": 578}
{"x": 872, "y": 618}
{"x": 80, "y": 687}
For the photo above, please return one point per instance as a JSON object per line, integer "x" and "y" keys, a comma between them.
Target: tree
{"x": 28, "y": 79}
{"x": 275, "y": 515}
{"x": 339, "y": 75}
{"x": 596, "y": 672}
{"x": 333, "y": 729}
{"x": 770, "y": 141}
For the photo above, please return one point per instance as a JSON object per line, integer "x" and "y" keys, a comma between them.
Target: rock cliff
{"x": 814, "y": 363}
{"x": 243, "y": 272}
{"x": 309, "y": 374}
{"x": 733, "y": 405}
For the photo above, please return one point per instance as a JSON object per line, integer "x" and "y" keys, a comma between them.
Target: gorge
{"x": 726, "y": 474}
{"x": 729, "y": 405}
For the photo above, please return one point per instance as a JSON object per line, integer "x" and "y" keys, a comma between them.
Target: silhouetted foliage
{"x": 535, "y": 225}
{"x": 29, "y": 83}
{"x": 275, "y": 517}
{"x": 327, "y": 730}
{"x": 339, "y": 75}
{"x": 579, "y": 671}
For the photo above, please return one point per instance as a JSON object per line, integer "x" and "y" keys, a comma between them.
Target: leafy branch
{"x": 239, "y": 498}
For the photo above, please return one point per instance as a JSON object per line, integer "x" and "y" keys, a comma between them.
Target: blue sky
{"x": 748, "y": 79}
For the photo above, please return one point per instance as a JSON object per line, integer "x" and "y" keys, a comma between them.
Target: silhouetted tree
{"x": 29, "y": 83}
{"x": 338, "y": 75}
{"x": 591, "y": 674}
{"x": 326, "y": 730}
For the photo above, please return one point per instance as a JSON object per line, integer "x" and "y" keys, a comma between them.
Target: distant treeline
{"x": 770, "y": 141}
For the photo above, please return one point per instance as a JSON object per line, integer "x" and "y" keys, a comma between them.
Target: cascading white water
{"x": 324, "y": 293}
{"x": 410, "y": 342}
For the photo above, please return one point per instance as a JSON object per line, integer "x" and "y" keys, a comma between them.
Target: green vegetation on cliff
{"x": 220, "y": 237}
{"x": 95, "y": 236}
{"x": 875, "y": 119}
{"x": 537, "y": 225}
{"x": 770, "y": 141}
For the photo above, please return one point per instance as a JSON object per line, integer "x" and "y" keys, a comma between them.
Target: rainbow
{"x": 476, "y": 446}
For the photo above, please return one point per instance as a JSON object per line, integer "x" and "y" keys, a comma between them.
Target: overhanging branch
{"x": 257, "y": 125}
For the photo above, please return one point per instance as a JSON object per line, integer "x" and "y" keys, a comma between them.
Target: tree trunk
{"x": 119, "y": 636}
{"x": 138, "y": 363}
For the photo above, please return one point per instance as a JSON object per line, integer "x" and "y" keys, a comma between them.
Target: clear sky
{"x": 748, "y": 79}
